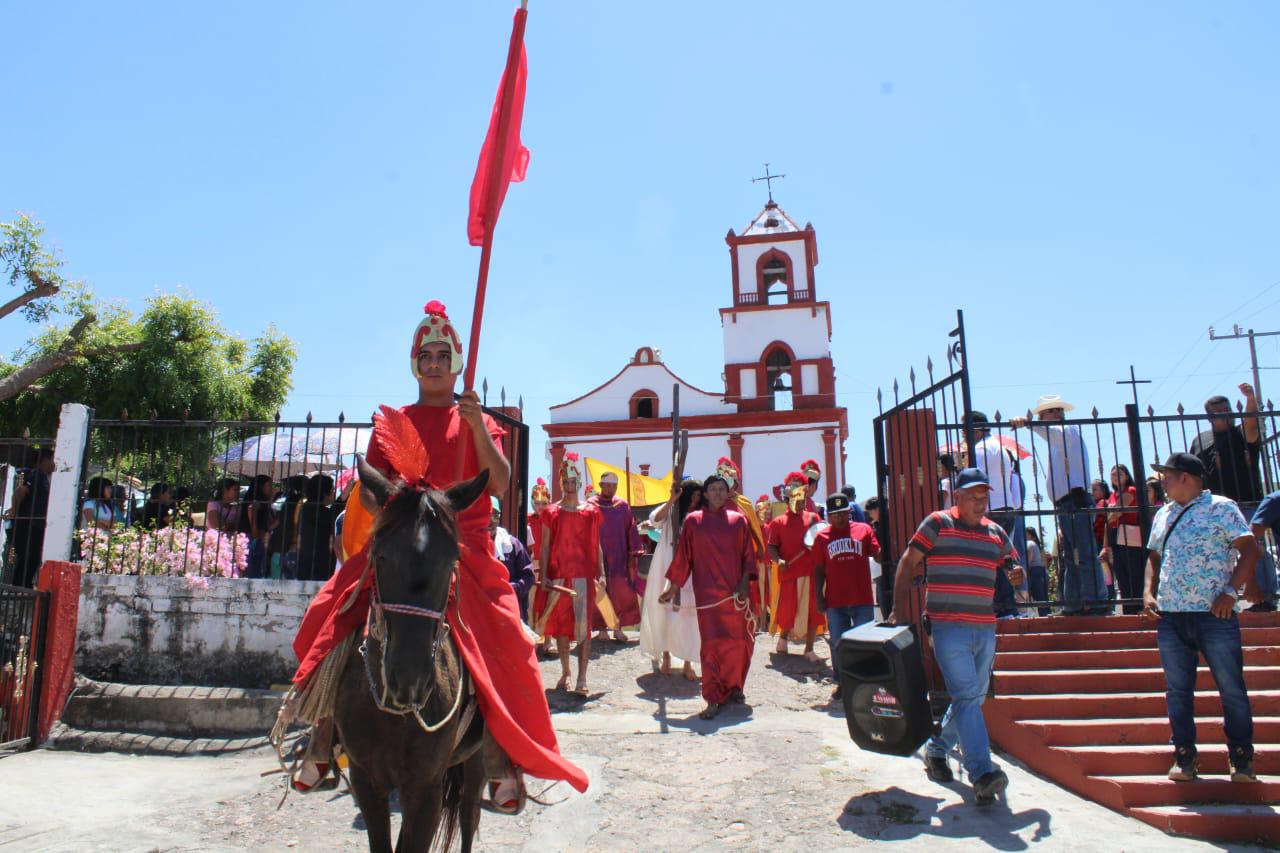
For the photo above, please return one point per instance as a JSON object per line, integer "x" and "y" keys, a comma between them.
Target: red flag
{"x": 503, "y": 158}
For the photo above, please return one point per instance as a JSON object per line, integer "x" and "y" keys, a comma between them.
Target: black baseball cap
{"x": 969, "y": 478}
{"x": 838, "y": 502}
{"x": 1185, "y": 463}
{"x": 976, "y": 417}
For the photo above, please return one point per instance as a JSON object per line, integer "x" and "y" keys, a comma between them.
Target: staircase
{"x": 1080, "y": 700}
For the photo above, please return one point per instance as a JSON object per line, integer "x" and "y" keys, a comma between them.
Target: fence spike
{"x": 895, "y": 392}
{"x": 308, "y": 417}
{"x": 997, "y": 420}
{"x": 1095, "y": 413}
{"x": 520, "y": 406}
{"x": 502, "y": 396}
{"x": 928, "y": 365}
{"x": 911, "y": 374}
{"x": 1269, "y": 405}
{"x": 342, "y": 417}
{"x": 1181, "y": 410}
{"x": 277, "y": 416}
{"x": 186, "y": 413}
{"x": 1029, "y": 417}
{"x": 1151, "y": 413}
{"x": 1239, "y": 405}
{"x": 484, "y": 388}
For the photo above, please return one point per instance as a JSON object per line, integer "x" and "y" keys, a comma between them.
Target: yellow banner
{"x": 645, "y": 491}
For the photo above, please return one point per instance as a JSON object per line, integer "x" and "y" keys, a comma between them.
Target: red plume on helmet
{"x": 436, "y": 308}
{"x": 401, "y": 445}
{"x": 810, "y": 465}
{"x": 797, "y": 477}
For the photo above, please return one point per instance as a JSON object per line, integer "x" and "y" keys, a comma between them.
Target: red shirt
{"x": 786, "y": 533}
{"x": 575, "y": 541}
{"x": 1128, "y": 517}
{"x": 845, "y": 556}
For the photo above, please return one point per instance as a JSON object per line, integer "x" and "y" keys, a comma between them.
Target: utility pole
{"x": 1237, "y": 334}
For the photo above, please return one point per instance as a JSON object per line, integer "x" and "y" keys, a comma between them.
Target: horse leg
{"x": 373, "y": 808}
{"x": 473, "y": 779}
{"x": 420, "y": 808}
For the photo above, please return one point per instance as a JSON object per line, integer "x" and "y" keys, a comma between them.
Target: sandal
{"x": 581, "y": 689}
{"x": 563, "y": 683}
{"x": 509, "y": 805}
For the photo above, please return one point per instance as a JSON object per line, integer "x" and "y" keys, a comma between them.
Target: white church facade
{"x": 778, "y": 404}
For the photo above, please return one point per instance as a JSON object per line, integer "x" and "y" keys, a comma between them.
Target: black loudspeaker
{"x": 886, "y": 703}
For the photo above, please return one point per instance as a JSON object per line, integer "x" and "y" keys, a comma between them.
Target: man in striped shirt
{"x": 961, "y": 551}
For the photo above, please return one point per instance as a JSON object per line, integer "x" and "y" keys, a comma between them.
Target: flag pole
{"x": 490, "y": 219}
{"x": 494, "y": 189}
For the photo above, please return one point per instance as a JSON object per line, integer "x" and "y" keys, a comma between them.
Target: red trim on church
{"x": 693, "y": 423}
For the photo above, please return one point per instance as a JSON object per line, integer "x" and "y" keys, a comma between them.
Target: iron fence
{"x": 1049, "y": 482}
{"x": 24, "y": 499}
{"x": 236, "y": 498}
{"x": 23, "y": 625}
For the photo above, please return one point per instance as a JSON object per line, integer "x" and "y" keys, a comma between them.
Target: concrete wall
{"x": 220, "y": 632}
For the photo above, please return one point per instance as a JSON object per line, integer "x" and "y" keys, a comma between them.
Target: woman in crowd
{"x": 1037, "y": 573}
{"x": 946, "y": 479}
{"x": 1127, "y": 551}
{"x": 99, "y": 508}
{"x": 257, "y": 520}
{"x": 1155, "y": 495}
{"x": 223, "y": 512}
{"x": 665, "y": 629}
{"x": 158, "y": 511}
{"x": 317, "y": 522}
{"x": 1101, "y": 494}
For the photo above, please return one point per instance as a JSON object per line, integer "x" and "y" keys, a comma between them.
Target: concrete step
{"x": 69, "y": 738}
{"x": 185, "y": 712}
{"x": 1147, "y": 679}
{"x": 1256, "y": 824}
{"x": 1112, "y": 640}
{"x": 1047, "y": 706}
{"x": 1112, "y": 659}
{"x": 1141, "y": 730}
{"x": 1154, "y": 790}
{"x": 1156, "y": 759}
{"x": 1080, "y": 625}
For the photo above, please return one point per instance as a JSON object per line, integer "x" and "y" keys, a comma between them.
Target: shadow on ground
{"x": 897, "y": 815}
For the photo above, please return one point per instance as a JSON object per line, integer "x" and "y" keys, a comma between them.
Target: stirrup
{"x": 507, "y": 807}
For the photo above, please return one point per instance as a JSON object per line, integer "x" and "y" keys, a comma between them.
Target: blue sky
{"x": 1094, "y": 183}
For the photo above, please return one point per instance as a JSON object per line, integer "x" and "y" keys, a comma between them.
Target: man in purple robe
{"x": 620, "y": 541}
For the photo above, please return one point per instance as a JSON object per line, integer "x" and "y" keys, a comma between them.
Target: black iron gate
{"x": 24, "y": 615}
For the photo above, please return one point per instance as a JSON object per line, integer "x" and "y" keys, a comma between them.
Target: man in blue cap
{"x": 962, "y": 551}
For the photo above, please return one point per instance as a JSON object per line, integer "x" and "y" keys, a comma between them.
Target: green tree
{"x": 173, "y": 361}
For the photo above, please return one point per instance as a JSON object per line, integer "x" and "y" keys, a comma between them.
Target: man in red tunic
{"x": 620, "y": 540}
{"x": 541, "y": 497}
{"x": 798, "y": 615}
{"x": 572, "y": 557}
{"x": 715, "y": 549}
{"x": 484, "y": 616}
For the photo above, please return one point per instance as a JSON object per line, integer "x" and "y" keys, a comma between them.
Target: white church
{"x": 778, "y": 404}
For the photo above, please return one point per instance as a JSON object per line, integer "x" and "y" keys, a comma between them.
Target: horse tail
{"x": 451, "y": 813}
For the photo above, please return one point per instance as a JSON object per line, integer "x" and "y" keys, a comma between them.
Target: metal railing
{"x": 192, "y": 497}
{"x": 23, "y": 626}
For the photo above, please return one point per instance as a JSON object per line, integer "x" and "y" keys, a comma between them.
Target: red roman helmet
{"x": 436, "y": 328}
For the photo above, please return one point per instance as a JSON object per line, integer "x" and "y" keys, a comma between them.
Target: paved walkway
{"x": 779, "y": 775}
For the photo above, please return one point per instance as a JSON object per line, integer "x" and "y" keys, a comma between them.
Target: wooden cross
{"x": 1134, "y": 382}
{"x": 768, "y": 179}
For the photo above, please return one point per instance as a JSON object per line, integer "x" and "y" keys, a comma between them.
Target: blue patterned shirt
{"x": 1195, "y": 564}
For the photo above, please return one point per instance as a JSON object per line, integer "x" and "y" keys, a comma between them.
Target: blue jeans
{"x": 841, "y": 619}
{"x": 1182, "y": 638}
{"x": 965, "y": 654}
{"x": 1083, "y": 585}
{"x": 1038, "y": 585}
{"x": 256, "y": 565}
{"x": 1266, "y": 573}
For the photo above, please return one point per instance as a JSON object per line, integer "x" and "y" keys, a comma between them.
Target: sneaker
{"x": 937, "y": 769}
{"x": 1241, "y": 767}
{"x": 1185, "y": 765}
{"x": 988, "y": 785}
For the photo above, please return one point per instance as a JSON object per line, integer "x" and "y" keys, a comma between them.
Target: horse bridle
{"x": 378, "y": 632}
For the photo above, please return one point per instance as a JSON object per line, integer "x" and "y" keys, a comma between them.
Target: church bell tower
{"x": 777, "y": 335}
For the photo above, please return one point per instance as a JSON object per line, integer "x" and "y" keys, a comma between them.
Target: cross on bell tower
{"x": 768, "y": 179}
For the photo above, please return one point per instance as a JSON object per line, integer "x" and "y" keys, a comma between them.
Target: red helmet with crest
{"x": 436, "y": 328}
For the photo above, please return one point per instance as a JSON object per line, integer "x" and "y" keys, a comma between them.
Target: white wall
{"x": 613, "y": 401}
{"x": 176, "y": 630}
{"x": 803, "y": 328}
{"x": 747, "y": 381}
{"x": 749, "y": 254}
{"x": 767, "y": 456}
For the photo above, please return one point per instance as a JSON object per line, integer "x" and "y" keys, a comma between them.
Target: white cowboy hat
{"x": 1050, "y": 401}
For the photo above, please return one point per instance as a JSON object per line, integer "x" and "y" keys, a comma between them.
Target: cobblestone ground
{"x": 779, "y": 774}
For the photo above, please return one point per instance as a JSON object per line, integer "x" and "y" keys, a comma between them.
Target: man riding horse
{"x": 483, "y": 615}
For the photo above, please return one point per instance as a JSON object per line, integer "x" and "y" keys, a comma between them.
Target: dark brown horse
{"x": 405, "y": 711}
